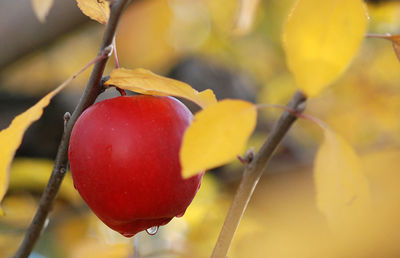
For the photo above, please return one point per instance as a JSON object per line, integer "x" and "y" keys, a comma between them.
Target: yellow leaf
{"x": 342, "y": 188}
{"x": 245, "y": 16}
{"x": 217, "y": 135}
{"x": 98, "y": 10}
{"x": 11, "y": 137}
{"x": 321, "y": 38}
{"x": 145, "y": 82}
{"x": 41, "y": 8}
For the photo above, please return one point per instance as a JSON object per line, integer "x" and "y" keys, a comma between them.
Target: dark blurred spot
{"x": 203, "y": 74}
{"x": 380, "y": 1}
{"x": 42, "y": 137}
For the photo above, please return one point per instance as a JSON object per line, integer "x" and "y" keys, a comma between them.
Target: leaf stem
{"x": 382, "y": 36}
{"x": 93, "y": 89}
{"x": 121, "y": 91}
{"x": 253, "y": 172}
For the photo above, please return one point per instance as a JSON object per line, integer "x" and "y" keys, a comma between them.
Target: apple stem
{"x": 61, "y": 162}
{"x": 106, "y": 86}
{"x": 121, "y": 91}
{"x": 252, "y": 173}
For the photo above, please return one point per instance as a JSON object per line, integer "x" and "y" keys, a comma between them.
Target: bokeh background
{"x": 192, "y": 40}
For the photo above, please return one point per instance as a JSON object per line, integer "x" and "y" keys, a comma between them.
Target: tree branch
{"x": 252, "y": 174}
{"x": 93, "y": 89}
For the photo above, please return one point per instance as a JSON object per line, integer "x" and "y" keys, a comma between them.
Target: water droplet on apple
{"x": 152, "y": 231}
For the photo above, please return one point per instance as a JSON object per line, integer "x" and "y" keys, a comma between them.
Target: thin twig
{"x": 121, "y": 91}
{"x": 313, "y": 119}
{"x": 92, "y": 90}
{"x": 377, "y": 36}
{"x": 252, "y": 174}
{"x": 115, "y": 54}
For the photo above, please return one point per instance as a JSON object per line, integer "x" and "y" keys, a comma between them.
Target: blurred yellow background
{"x": 282, "y": 219}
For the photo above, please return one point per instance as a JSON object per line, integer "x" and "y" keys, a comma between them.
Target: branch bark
{"x": 93, "y": 89}
{"x": 252, "y": 174}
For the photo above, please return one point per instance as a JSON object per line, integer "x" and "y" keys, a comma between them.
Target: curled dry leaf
{"x": 342, "y": 189}
{"x": 145, "y": 82}
{"x": 321, "y": 38}
{"x": 217, "y": 135}
{"x": 41, "y": 8}
{"x": 98, "y": 10}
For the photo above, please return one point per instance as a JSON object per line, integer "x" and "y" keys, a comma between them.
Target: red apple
{"x": 124, "y": 159}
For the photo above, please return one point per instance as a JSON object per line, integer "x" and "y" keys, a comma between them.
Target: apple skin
{"x": 124, "y": 160}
